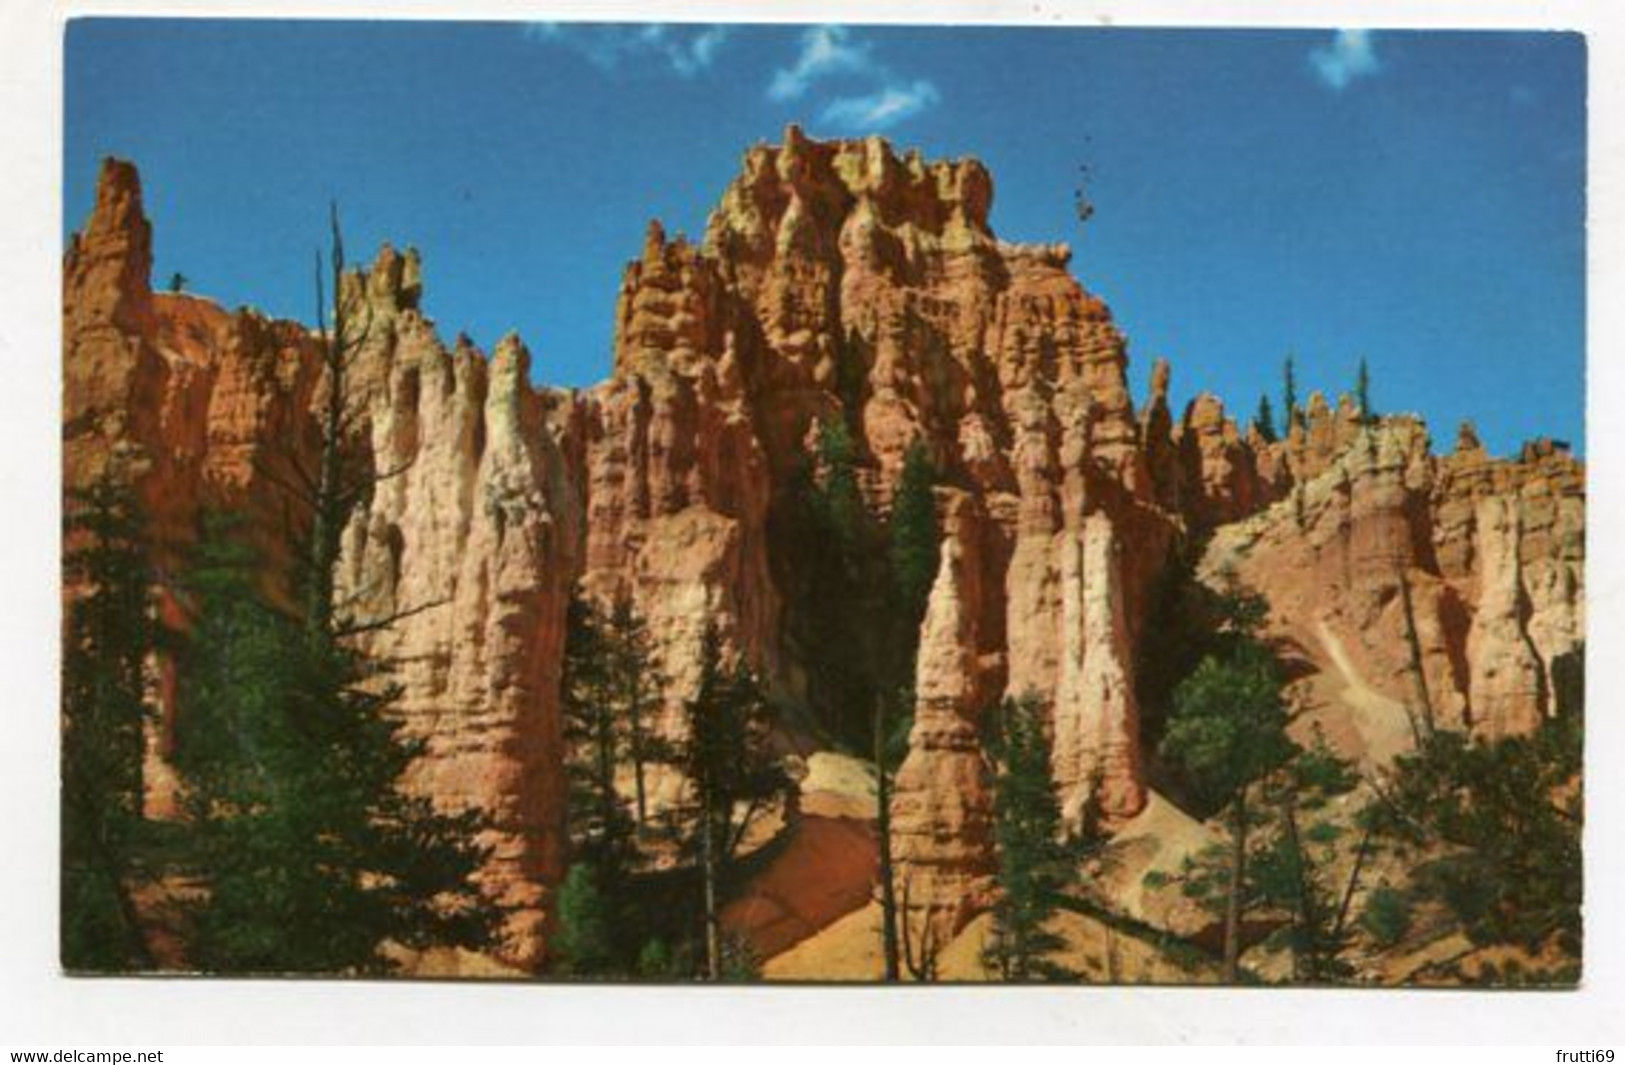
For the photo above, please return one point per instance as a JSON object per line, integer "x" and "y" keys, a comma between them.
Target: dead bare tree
{"x": 344, "y": 476}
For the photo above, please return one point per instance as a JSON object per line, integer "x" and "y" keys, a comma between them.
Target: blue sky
{"x": 1416, "y": 198}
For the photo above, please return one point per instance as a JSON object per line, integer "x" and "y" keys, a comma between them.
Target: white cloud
{"x": 1351, "y": 55}
{"x": 686, "y": 50}
{"x": 883, "y": 109}
{"x": 825, "y": 50}
{"x": 876, "y": 97}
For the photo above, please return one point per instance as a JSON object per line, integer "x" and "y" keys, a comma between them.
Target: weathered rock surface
{"x": 942, "y": 807}
{"x": 835, "y": 280}
{"x": 1411, "y": 574}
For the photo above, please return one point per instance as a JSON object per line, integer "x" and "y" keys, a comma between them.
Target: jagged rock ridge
{"x": 834, "y": 280}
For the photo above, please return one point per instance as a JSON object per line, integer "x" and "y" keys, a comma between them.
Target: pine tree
{"x": 600, "y": 829}
{"x": 1293, "y": 869}
{"x": 1289, "y": 395}
{"x": 637, "y": 683}
{"x": 312, "y": 855}
{"x": 915, "y": 541}
{"x": 842, "y": 500}
{"x": 1494, "y": 828}
{"x": 1264, "y": 420}
{"x": 728, "y": 759}
{"x": 913, "y": 556}
{"x": 1362, "y": 394}
{"x": 1035, "y": 866}
{"x": 1228, "y": 732}
{"x": 585, "y": 943}
{"x": 109, "y": 633}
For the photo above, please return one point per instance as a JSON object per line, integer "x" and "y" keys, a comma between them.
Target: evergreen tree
{"x": 595, "y": 732}
{"x": 1493, "y": 828}
{"x": 842, "y": 500}
{"x": 915, "y": 539}
{"x": 1264, "y": 420}
{"x": 1228, "y": 732}
{"x": 656, "y": 962}
{"x": 636, "y": 684}
{"x": 732, "y": 772}
{"x": 913, "y": 556}
{"x": 832, "y": 585}
{"x": 178, "y": 282}
{"x": 312, "y": 855}
{"x": 1387, "y": 916}
{"x": 585, "y": 943}
{"x": 1035, "y": 866}
{"x": 1289, "y": 395}
{"x": 1293, "y": 869}
{"x": 1362, "y": 394}
{"x": 109, "y": 633}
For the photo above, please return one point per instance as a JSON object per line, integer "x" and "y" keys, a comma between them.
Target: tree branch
{"x": 349, "y": 629}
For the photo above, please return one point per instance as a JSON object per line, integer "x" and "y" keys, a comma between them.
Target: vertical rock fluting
{"x": 1097, "y": 718}
{"x": 193, "y": 407}
{"x": 1407, "y": 574}
{"x": 942, "y": 807}
{"x": 676, "y": 479}
{"x": 1507, "y": 693}
{"x": 835, "y": 280}
{"x": 468, "y": 541}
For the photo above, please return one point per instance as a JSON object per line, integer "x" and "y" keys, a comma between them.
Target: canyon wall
{"x": 835, "y": 280}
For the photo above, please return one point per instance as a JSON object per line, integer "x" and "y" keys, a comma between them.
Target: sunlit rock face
{"x": 834, "y": 280}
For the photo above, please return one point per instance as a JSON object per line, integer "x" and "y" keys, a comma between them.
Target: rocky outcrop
{"x": 193, "y": 406}
{"x": 1409, "y": 574}
{"x": 1217, "y": 467}
{"x": 1506, "y": 690}
{"x": 942, "y": 807}
{"x": 836, "y": 281}
{"x": 469, "y": 543}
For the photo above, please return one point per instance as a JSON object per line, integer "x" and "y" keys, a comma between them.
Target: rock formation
{"x": 835, "y": 280}
{"x": 943, "y": 802}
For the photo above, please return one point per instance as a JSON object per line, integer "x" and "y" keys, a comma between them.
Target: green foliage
{"x": 1498, "y": 823}
{"x": 733, "y": 773}
{"x": 656, "y": 962}
{"x": 1189, "y": 622}
{"x": 108, "y": 635}
{"x": 848, "y": 518}
{"x": 826, "y": 558}
{"x": 1264, "y": 420}
{"x": 740, "y": 963}
{"x": 1387, "y": 915}
{"x": 856, "y": 589}
{"x": 635, "y": 687}
{"x": 609, "y": 690}
{"x": 178, "y": 282}
{"x": 1289, "y": 395}
{"x": 1229, "y": 723}
{"x": 585, "y": 943}
{"x": 1035, "y": 866}
{"x": 596, "y": 735}
{"x": 312, "y": 855}
{"x": 915, "y": 539}
{"x": 1362, "y": 394}
{"x": 1228, "y": 737}
{"x": 728, "y": 754}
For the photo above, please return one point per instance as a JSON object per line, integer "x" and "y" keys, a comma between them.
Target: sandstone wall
{"x": 834, "y": 280}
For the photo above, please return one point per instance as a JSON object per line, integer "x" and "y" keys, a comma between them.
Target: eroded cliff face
{"x": 835, "y": 280}
{"x": 1439, "y": 590}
